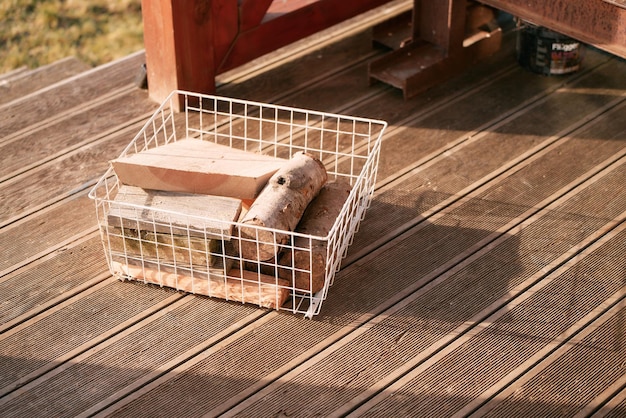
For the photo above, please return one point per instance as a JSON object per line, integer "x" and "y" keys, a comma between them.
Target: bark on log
{"x": 240, "y": 286}
{"x": 305, "y": 268}
{"x": 280, "y": 206}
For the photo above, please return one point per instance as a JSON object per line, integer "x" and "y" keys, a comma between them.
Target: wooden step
{"x": 29, "y": 81}
{"x": 67, "y": 95}
{"x": 5, "y": 77}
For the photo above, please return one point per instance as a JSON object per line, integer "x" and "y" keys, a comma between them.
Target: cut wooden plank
{"x": 240, "y": 285}
{"x": 168, "y": 248}
{"x": 280, "y": 206}
{"x": 195, "y": 166}
{"x": 174, "y": 213}
{"x": 198, "y": 272}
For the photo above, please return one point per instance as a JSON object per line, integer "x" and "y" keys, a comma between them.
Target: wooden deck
{"x": 487, "y": 278}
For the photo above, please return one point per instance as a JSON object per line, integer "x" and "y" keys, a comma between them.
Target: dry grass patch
{"x": 38, "y": 32}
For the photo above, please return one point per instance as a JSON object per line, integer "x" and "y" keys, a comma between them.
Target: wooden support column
{"x": 181, "y": 43}
{"x": 441, "y": 23}
{"x": 601, "y": 23}
{"x": 189, "y": 42}
{"x": 442, "y": 44}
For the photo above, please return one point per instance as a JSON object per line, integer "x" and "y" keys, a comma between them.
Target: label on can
{"x": 565, "y": 57}
{"x": 546, "y": 52}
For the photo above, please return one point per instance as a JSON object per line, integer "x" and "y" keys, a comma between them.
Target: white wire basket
{"x": 173, "y": 248}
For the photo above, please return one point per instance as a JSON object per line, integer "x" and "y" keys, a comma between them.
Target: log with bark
{"x": 280, "y": 206}
{"x": 240, "y": 285}
{"x": 305, "y": 263}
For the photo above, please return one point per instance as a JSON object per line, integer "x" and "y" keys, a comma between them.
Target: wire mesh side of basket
{"x": 193, "y": 261}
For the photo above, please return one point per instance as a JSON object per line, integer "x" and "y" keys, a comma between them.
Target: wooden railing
{"x": 189, "y": 42}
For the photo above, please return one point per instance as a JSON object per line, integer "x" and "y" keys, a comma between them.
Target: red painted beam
{"x": 289, "y": 27}
{"x": 188, "y": 42}
{"x": 596, "y": 22}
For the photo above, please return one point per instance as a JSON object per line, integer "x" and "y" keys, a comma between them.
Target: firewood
{"x": 240, "y": 285}
{"x": 280, "y": 206}
{"x": 305, "y": 263}
{"x": 169, "y": 248}
{"x": 217, "y": 271}
{"x": 174, "y": 213}
{"x": 197, "y": 166}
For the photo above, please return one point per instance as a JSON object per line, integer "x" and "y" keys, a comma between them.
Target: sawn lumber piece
{"x": 196, "y": 166}
{"x": 240, "y": 285}
{"x": 168, "y": 248}
{"x": 174, "y": 213}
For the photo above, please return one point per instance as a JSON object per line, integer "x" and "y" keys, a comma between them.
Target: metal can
{"x": 547, "y": 52}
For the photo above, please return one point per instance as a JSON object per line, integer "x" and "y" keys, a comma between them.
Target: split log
{"x": 174, "y": 213}
{"x": 240, "y": 285}
{"x": 280, "y": 206}
{"x": 305, "y": 263}
{"x": 197, "y": 166}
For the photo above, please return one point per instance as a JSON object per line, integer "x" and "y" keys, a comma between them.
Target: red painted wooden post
{"x": 289, "y": 22}
{"x": 441, "y": 23}
{"x": 189, "y": 42}
{"x": 598, "y": 22}
{"x": 180, "y": 41}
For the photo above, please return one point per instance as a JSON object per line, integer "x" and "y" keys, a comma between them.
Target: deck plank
{"x": 470, "y": 160}
{"x": 513, "y": 334}
{"x": 67, "y": 95}
{"x": 614, "y": 408}
{"x": 499, "y": 192}
{"x": 33, "y": 80}
{"x": 574, "y": 374}
{"x": 451, "y": 300}
{"x": 44, "y": 143}
{"x": 339, "y": 312}
{"x": 48, "y": 336}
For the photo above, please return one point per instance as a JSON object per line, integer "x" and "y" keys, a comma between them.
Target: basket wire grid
{"x": 175, "y": 249}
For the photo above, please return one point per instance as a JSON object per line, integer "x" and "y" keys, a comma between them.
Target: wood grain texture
{"x": 195, "y": 166}
{"x": 240, "y": 285}
{"x": 167, "y": 248}
{"x": 71, "y": 93}
{"x": 93, "y": 122}
{"x": 203, "y": 216}
{"x": 41, "y": 77}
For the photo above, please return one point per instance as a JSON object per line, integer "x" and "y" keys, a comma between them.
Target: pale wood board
{"x": 197, "y": 166}
{"x": 168, "y": 248}
{"x": 174, "y": 213}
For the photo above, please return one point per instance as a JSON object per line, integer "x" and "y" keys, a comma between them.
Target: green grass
{"x": 38, "y": 32}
